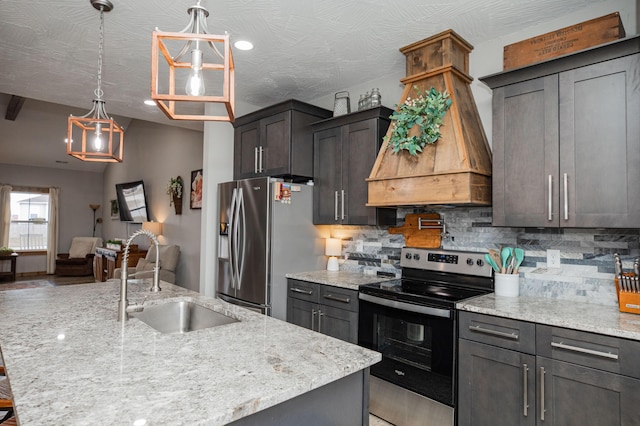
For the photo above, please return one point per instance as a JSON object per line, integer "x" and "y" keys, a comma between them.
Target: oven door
{"x": 417, "y": 345}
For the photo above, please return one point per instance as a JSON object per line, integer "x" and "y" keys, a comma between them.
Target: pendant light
{"x": 97, "y": 137}
{"x": 181, "y": 88}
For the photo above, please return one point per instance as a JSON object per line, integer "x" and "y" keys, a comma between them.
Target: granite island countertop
{"x": 591, "y": 317}
{"x": 344, "y": 279}
{"x": 70, "y": 362}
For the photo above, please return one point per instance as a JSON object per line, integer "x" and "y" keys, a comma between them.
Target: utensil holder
{"x": 341, "y": 104}
{"x": 627, "y": 301}
{"x": 507, "y": 285}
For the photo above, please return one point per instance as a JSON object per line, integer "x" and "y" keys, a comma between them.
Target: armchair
{"x": 79, "y": 260}
{"x": 169, "y": 257}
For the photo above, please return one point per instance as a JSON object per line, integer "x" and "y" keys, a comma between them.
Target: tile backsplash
{"x": 586, "y": 254}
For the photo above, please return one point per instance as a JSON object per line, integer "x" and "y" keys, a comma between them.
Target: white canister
{"x": 507, "y": 285}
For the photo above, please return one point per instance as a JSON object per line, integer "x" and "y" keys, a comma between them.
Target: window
{"x": 29, "y": 226}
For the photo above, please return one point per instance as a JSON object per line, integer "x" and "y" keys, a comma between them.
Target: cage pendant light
{"x": 200, "y": 73}
{"x": 95, "y": 136}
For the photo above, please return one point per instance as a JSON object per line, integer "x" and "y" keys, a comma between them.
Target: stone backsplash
{"x": 586, "y": 254}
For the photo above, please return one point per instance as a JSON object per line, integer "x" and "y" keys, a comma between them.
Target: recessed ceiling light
{"x": 243, "y": 45}
{"x": 150, "y": 102}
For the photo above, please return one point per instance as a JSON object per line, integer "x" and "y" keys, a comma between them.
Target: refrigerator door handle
{"x": 232, "y": 236}
{"x": 237, "y": 240}
{"x": 242, "y": 226}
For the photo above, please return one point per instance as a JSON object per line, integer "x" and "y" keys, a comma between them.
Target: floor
{"x": 55, "y": 280}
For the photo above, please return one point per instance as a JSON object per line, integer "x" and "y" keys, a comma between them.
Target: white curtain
{"x": 5, "y": 214}
{"x": 52, "y": 237}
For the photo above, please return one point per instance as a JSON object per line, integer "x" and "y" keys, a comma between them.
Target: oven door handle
{"x": 426, "y": 310}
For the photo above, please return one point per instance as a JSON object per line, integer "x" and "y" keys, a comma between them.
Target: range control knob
{"x": 408, "y": 256}
{"x": 416, "y": 256}
{"x": 470, "y": 261}
{"x": 480, "y": 262}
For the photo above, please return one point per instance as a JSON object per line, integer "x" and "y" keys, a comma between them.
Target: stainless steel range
{"x": 412, "y": 322}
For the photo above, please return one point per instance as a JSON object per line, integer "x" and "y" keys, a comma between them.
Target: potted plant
{"x": 174, "y": 189}
{"x": 427, "y": 112}
{"x": 6, "y": 251}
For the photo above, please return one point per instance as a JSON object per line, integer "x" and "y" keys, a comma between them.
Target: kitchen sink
{"x": 181, "y": 317}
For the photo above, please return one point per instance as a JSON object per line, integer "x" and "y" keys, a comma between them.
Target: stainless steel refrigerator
{"x": 266, "y": 231}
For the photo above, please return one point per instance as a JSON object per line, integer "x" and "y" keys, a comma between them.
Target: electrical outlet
{"x": 359, "y": 246}
{"x": 553, "y": 258}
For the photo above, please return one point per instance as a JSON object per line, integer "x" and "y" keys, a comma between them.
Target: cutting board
{"x": 414, "y": 237}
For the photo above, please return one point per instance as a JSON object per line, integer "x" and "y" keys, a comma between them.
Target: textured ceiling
{"x": 303, "y": 50}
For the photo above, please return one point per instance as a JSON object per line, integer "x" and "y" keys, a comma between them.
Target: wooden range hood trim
{"x": 457, "y": 169}
{"x": 462, "y": 189}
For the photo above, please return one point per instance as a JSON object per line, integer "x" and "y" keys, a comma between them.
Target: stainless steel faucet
{"x": 123, "y": 305}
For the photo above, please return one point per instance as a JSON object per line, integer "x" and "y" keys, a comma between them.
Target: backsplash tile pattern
{"x": 586, "y": 254}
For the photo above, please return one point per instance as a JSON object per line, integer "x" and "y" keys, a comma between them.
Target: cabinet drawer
{"x": 303, "y": 290}
{"x": 502, "y": 332}
{"x": 342, "y": 298}
{"x": 588, "y": 349}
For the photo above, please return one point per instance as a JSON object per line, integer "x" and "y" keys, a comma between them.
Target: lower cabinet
{"x": 326, "y": 309}
{"x": 559, "y": 377}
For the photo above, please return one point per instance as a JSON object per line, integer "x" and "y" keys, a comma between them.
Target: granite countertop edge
{"x": 342, "y": 279}
{"x": 577, "y": 315}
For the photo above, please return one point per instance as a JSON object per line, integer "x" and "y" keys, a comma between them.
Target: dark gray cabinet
{"x": 520, "y": 373}
{"x": 496, "y": 371}
{"x": 566, "y": 140}
{"x": 345, "y": 149}
{"x": 276, "y": 141}
{"x": 326, "y": 309}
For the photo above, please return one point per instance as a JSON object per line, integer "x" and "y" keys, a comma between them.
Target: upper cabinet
{"x": 345, "y": 149}
{"x": 276, "y": 141}
{"x": 566, "y": 140}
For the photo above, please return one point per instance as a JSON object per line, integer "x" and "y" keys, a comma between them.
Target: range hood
{"x": 456, "y": 170}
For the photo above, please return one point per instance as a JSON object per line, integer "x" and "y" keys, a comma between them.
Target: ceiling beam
{"x": 14, "y": 107}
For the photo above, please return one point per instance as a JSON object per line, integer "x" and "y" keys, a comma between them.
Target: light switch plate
{"x": 359, "y": 246}
{"x": 553, "y": 258}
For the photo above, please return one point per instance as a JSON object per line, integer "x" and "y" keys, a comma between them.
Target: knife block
{"x": 627, "y": 301}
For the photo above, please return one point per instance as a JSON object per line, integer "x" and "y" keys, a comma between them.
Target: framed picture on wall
{"x": 114, "y": 210}
{"x": 196, "y": 190}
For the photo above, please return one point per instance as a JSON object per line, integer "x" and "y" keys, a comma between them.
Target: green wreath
{"x": 427, "y": 111}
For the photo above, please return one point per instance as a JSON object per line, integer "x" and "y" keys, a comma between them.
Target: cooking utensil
{"x": 512, "y": 264}
{"x": 505, "y": 254}
{"x": 621, "y": 282}
{"x": 490, "y": 261}
{"x": 617, "y": 263}
{"x": 495, "y": 256}
{"x": 519, "y": 256}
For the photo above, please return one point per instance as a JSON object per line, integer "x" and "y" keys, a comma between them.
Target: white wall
{"x": 154, "y": 153}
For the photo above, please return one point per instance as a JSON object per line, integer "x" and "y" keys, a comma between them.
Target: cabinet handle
{"x": 313, "y": 318}
{"x": 320, "y": 315}
{"x": 335, "y": 206}
{"x": 260, "y": 158}
{"x": 299, "y": 290}
{"x": 342, "y": 204}
{"x": 255, "y": 160}
{"x": 561, "y": 345}
{"x": 566, "y": 202}
{"x": 550, "y": 206}
{"x": 512, "y": 336}
{"x": 346, "y": 299}
{"x": 525, "y": 403}
{"x": 542, "y": 410}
